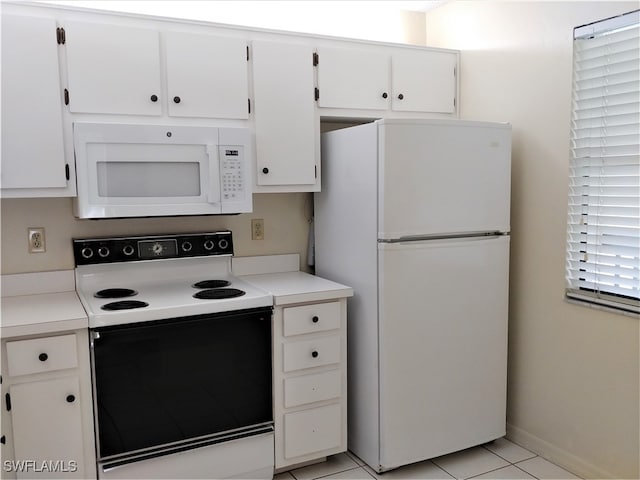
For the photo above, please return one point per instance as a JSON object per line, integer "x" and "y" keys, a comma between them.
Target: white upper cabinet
{"x": 353, "y": 78}
{"x": 287, "y": 129}
{"x": 113, "y": 69}
{"x": 32, "y": 134}
{"x": 206, "y": 76}
{"x": 423, "y": 81}
{"x": 391, "y": 78}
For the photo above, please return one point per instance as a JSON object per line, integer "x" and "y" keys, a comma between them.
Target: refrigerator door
{"x": 441, "y": 177}
{"x": 443, "y": 346}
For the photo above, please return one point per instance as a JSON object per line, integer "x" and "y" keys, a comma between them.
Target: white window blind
{"x": 603, "y": 248}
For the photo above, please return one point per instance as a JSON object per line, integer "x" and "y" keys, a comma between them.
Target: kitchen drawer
{"x": 312, "y": 388}
{"x": 312, "y": 430}
{"x": 311, "y": 318}
{"x": 311, "y": 353}
{"x": 41, "y": 355}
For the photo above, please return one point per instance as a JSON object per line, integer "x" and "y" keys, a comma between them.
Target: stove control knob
{"x": 128, "y": 250}
{"x": 87, "y": 252}
{"x": 103, "y": 252}
{"x": 186, "y": 246}
{"x": 208, "y": 245}
{"x": 223, "y": 244}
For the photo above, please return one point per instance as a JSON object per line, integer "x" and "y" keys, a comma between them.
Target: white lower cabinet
{"x": 310, "y": 372}
{"x": 47, "y": 419}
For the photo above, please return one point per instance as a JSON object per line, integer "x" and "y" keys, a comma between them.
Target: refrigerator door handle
{"x": 420, "y": 238}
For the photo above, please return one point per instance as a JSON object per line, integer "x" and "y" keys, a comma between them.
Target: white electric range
{"x": 181, "y": 358}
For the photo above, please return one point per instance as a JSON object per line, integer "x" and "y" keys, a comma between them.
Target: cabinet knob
{"x": 314, "y": 354}
{"x": 43, "y": 357}
{"x": 154, "y": 98}
{"x": 315, "y": 319}
{"x": 71, "y": 398}
{"x": 176, "y": 99}
{"x": 384, "y": 95}
{"x": 265, "y": 170}
{"x": 400, "y": 97}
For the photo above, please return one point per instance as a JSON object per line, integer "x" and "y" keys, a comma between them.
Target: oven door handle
{"x": 93, "y": 337}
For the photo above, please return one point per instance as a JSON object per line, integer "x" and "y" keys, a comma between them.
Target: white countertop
{"x": 280, "y": 276}
{"x": 298, "y": 287}
{"x": 31, "y": 305}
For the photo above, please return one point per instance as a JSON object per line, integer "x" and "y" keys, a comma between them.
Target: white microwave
{"x": 161, "y": 170}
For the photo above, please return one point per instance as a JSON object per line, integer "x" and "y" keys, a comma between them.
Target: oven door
{"x": 169, "y": 386}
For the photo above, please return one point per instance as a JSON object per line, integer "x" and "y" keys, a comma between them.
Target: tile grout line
{"x": 523, "y": 470}
{"x": 507, "y": 460}
{"x": 340, "y": 471}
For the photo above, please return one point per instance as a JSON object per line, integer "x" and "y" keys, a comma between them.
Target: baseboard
{"x": 566, "y": 460}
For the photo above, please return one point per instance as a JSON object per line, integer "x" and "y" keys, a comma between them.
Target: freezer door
{"x": 438, "y": 177}
{"x": 443, "y": 346}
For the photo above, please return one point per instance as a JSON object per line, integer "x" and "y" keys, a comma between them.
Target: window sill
{"x": 597, "y": 306}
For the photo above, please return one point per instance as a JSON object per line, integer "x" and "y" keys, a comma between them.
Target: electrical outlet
{"x": 257, "y": 229}
{"x": 36, "y": 240}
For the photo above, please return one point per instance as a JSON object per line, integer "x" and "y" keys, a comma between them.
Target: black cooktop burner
{"x": 218, "y": 293}
{"x": 124, "y": 305}
{"x": 211, "y": 284}
{"x": 115, "y": 293}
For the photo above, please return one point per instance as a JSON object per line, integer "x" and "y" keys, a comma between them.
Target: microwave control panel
{"x": 232, "y": 173}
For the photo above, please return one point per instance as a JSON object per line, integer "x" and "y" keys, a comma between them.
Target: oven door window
{"x": 160, "y": 383}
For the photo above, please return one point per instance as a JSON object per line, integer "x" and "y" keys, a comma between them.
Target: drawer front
{"x": 312, "y": 430}
{"x": 312, "y": 388}
{"x": 41, "y": 355}
{"x": 311, "y": 318}
{"x": 311, "y": 353}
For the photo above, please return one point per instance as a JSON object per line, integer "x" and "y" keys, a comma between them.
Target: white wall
{"x": 573, "y": 371}
{"x": 384, "y": 21}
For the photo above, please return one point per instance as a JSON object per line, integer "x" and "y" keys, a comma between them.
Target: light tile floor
{"x": 500, "y": 459}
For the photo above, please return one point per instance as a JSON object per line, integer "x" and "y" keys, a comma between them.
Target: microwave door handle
{"x": 214, "y": 175}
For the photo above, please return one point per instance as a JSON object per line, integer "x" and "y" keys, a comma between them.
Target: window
{"x": 603, "y": 247}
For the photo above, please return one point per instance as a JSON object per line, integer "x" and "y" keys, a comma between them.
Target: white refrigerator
{"x": 414, "y": 215}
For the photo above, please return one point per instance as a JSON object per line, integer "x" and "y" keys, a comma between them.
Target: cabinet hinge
{"x": 249, "y": 104}
{"x": 61, "y": 36}
{"x": 66, "y": 96}
{"x": 66, "y": 171}
{"x": 316, "y": 93}
{"x": 247, "y": 53}
{"x": 7, "y": 399}
{"x": 316, "y": 59}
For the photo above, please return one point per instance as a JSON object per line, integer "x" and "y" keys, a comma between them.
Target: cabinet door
{"x": 286, "y": 127}
{"x": 32, "y": 138}
{"x": 206, "y": 76}
{"x": 353, "y": 78}
{"x": 113, "y": 69}
{"x": 424, "y": 81}
{"x": 47, "y": 427}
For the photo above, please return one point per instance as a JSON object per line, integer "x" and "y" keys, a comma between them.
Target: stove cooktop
{"x": 159, "y": 285}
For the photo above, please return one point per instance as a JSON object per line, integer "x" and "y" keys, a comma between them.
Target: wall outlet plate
{"x": 36, "y": 240}
{"x": 257, "y": 229}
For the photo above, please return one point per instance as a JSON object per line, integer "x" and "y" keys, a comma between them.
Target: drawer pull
{"x": 315, "y": 319}
{"x": 314, "y": 354}
{"x": 71, "y": 398}
{"x": 43, "y": 357}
